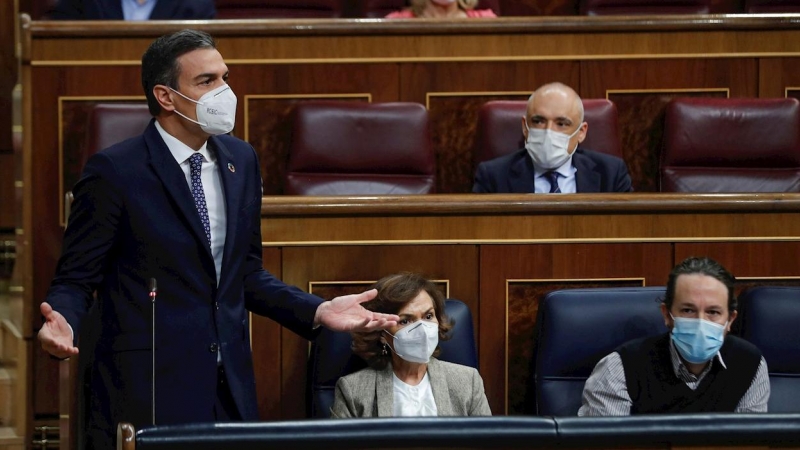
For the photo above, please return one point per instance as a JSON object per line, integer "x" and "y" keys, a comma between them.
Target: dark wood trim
{"x": 360, "y": 27}
{"x": 437, "y": 205}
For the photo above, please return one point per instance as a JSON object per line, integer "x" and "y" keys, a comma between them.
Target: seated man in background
{"x": 133, "y": 10}
{"x": 403, "y": 379}
{"x": 697, "y": 367}
{"x": 551, "y": 161}
{"x": 441, "y": 9}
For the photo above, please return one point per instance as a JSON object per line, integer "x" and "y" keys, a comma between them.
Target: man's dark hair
{"x": 701, "y": 266}
{"x": 160, "y": 61}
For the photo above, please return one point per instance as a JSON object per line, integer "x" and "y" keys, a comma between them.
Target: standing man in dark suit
{"x": 133, "y": 10}
{"x": 551, "y": 161}
{"x": 180, "y": 204}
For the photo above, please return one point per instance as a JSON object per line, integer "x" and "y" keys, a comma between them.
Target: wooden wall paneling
{"x": 454, "y": 128}
{"x": 455, "y": 264}
{"x": 265, "y": 338}
{"x": 268, "y": 92}
{"x": 7, "y": 192}
{"x": 453, "y": 92}
{"x": 779, "y": 77}
{"x": 642, "y": 88}
{"x": 8, "y": 75}
{"x": 754, "y": 262}
{"x": 509, "y": 273}
{"x": 8, "y": 78}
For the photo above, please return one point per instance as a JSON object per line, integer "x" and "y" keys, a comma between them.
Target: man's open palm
{"x": 56, "y": 334}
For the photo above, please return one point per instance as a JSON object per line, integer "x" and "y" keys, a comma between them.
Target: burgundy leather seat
{"x": 253, "y": 9}
{"x": 500, "y": 128}
{"x": 628, "y": 7}
{"x": 731, "y": 145}
{"x": 354, "y": 148}
{"x": 110, "y": 123}
{"x": 772, "y": 6}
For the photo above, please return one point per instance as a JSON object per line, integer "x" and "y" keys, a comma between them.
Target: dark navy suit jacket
{"x": 134, "y": 218}
{"x": 112, "y": 10}
{"x": 513, "y": 173}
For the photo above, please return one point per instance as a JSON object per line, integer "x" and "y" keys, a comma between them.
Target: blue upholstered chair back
{"x": 578, "y": 327}
{"x": 769, "y": 319}
{"x": 332, "y": 358}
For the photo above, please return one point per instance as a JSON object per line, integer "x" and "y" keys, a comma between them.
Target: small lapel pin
{"x": 231, "y": 168}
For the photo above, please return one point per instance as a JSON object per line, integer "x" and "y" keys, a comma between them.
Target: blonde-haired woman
{"x": 442, "y": 9}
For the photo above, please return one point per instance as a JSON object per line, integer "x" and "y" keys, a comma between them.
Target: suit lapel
{"x": 441, "y": 393}
{"x": 174, "y": 181}
{"x": 384, "y": 391}
{"x": 586, "y": 179}
{"x": 521, "y": 179}
{"x": 232, "y": 185}
{"x": 111, "y": 10}
{"x": 163, "y": 10}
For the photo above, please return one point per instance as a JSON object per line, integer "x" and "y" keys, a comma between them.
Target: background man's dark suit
{"x": 112, "y": 10}
{"x": 134, "y": 218}
{"x": 513, "y": 173}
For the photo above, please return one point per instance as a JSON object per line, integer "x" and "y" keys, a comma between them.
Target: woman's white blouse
{"x": 413, "y": 401}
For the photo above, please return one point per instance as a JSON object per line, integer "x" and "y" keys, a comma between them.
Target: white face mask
{"x": 216, "y": 110}
{"x": 549, "y": 149}
{"x": 417, "y": 341}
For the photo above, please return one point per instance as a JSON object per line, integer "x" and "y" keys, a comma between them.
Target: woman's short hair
{"x": 417, "y": 6}
{"x": 394, "y": 292}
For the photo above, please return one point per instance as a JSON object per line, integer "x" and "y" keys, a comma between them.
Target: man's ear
{"x": 525, "y": 127}
{"x": 582, "y": 133}
{"x": 164, "y": 97}
{"x": 734, "y": 315}
{"x": 667, "y": 318}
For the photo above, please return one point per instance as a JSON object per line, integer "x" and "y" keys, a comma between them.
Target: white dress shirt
{"x": 413, "y": 401}
{"x": 212, "y": 187}
{"x": 137, "y": 9}
{"x": 566, "y": 178}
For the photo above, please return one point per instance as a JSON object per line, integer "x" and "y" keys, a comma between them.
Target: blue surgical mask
{"x": 697, "y": 340}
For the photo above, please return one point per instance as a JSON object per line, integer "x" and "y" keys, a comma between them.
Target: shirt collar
{"x": 180, "y": 151}
{"x": 680, "y": 369}
{"x": 564, "y": 170}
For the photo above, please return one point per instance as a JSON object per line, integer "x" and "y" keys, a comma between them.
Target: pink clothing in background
{"x": 471, "y": 13}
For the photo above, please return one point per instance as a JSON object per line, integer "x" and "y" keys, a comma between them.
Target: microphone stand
{"x": 153, "y": 292}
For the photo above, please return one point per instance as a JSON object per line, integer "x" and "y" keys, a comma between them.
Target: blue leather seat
{"x": 332, "y": 358}
{"x": 578, "y": 327}
{"x": 769, "y": 319}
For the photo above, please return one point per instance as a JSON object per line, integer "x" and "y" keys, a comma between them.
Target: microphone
{"x": 153, "y": 288}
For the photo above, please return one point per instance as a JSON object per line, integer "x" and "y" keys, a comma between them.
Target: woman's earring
{"x": 384, "y": 349}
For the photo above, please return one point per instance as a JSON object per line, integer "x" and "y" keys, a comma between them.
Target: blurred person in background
{"x": 133, "y": 10}
{"x": 441, "y": 9}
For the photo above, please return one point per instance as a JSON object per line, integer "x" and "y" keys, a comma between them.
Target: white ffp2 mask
{"x": 216, "y": 110}
{"x": 416, "y": 342}
{"x": 549, "y": 149}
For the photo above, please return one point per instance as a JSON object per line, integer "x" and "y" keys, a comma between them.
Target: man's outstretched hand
{"x": 56, "y": 334}
{"x": 345, "y": 313}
